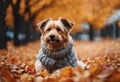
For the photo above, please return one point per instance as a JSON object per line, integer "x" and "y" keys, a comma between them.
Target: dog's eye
{"x": 58, "y": 29}
{"x": 48, "y": 29}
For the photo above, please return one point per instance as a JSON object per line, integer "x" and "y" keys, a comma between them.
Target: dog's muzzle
{"x": 52, "y": 39}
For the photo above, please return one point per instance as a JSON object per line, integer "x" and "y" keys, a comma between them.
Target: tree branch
{"x": 43, "y": 7}
{"x": 17, "y": 4}
{"x": 34, "y": 3}
{"x": 7, "y": 2}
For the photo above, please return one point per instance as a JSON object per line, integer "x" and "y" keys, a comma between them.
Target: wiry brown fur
{"x": 61, "y": 35}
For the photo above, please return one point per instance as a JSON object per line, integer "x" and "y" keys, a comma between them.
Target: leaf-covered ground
{"x": 102, "y": 59}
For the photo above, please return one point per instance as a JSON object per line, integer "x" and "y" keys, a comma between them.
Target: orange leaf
{"x": 7, "y": 75}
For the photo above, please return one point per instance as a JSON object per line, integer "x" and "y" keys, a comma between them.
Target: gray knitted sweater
{"x": 53, "y": 60}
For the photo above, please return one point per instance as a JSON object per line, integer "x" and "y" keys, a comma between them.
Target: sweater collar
{"x": 59, "y": 53}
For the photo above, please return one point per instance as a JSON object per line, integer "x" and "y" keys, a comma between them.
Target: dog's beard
{"x": 53, "y": 41}
{"x": 55, "y": 44}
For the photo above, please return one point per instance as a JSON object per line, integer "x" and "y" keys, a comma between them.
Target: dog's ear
{"x": 66, "y": 23}
{"x": 42, "y": 24}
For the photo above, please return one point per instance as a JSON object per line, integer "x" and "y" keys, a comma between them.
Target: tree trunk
{"x": 17, "y": 22}
{"x": 91, "y": 33}
{"x": 16, "y": 29}
{"x": 3, "y": 38}
{"x": 116, "y": 29}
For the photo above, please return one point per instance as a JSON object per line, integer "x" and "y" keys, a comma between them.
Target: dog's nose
{"x": 52, "y": 36}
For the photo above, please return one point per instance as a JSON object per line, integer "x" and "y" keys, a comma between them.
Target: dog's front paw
{"x": 38, "y": 66}
{"x": 82, "y": 65}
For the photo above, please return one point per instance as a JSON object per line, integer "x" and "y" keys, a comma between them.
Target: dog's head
{"x": 55, "y": 34}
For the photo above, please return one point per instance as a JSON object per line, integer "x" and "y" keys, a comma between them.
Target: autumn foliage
{"x": 102, "y": 59}
{"x": 95, "y": 12}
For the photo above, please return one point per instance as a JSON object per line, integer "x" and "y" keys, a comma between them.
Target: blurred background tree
{"x": 22, "y": 16}
{"x": 3, "y": 6}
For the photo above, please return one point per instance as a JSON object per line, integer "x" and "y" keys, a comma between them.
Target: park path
{"x": 93, "y": 49}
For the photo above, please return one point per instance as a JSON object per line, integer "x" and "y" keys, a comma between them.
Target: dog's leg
{"x": 81, "y": 64}
{"x": 55, "y": 74}
{"x": 38, "y": 66}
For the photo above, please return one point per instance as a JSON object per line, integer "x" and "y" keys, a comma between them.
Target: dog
{"x": 57, "y": 49}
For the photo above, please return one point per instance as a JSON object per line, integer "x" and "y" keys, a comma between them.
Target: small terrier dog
{"x": 57, "y": 49}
